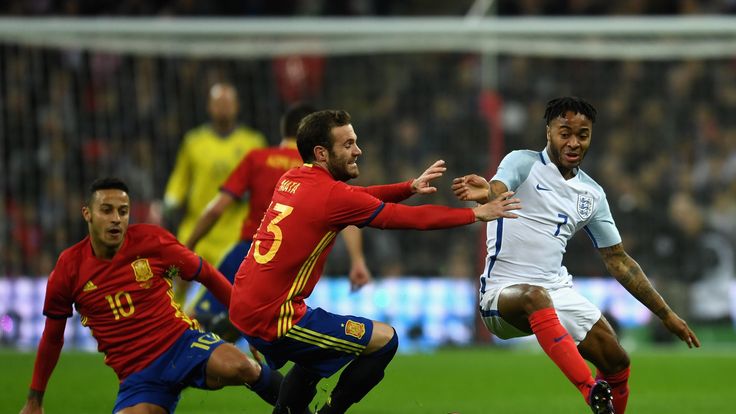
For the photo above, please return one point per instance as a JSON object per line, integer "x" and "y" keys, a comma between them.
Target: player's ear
{"x": 86, "y": 213}
{"x": 320, "y": 153}
{"x": 548, "y": 133}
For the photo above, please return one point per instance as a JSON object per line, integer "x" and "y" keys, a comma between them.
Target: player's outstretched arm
{"x": 421, "y": 184}
{"x": 628, "y": 272}
{"x": 501, "y": 207}
{"x": 215, "y": 282}
{"x": 49, "y": 349}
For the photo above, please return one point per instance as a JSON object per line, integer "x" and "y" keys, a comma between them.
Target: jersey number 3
{"x": 273, "y": 227}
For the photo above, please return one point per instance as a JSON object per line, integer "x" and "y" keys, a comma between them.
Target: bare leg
{"x": 601, "y": 347}
{"x": 229, "y": 366}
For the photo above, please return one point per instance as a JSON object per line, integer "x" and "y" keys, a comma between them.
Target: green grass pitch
{"x": 466, "y": 381}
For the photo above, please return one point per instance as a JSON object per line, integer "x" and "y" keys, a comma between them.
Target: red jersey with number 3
{"x": 127, "y": 302}
{"x": 257, "y": 175}
{"x": 288, "y": 253}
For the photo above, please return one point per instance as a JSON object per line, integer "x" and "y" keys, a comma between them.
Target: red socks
{"x": 619, "y": 383}
{"x": 560, "y": 347}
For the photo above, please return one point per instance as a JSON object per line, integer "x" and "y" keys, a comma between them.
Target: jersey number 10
{"x": 118, "y": 307}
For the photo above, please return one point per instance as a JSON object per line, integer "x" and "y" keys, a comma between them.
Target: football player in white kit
{"x": 525, "y": 290}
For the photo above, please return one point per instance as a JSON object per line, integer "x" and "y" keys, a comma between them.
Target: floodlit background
{"x": 91, "y": 88}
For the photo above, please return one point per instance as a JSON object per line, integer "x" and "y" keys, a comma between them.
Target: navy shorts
{"x": 183, "y": 365}
{"x": 207, "y": 303}
{"x": 322, "y": 342}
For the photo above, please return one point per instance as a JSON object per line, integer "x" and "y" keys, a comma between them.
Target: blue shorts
{"x": 207, "y": 303}
{"x": 321, "y": 342}
{"x": 183, "y": 365}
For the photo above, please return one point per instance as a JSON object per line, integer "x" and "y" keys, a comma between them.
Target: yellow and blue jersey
{"x": 204, "y": 161}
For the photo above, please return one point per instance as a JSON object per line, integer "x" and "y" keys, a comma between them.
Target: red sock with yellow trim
{"x": 559, "y": 346}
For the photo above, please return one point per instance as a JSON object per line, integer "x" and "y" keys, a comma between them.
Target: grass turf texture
{"x": 466, "y": 381}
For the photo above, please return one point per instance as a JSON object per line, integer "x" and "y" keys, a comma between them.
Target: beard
{"x": 558, "y": 158}
{"x": 340, "y": 169}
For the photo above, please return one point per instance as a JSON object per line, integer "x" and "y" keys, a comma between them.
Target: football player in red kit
{"x": 310, "y": 205}
{"x": 119, "y": 279}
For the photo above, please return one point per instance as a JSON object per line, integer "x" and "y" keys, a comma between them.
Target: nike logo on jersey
{"x": 540, "y": 188}
{"x": 89, "y": 286}
{"x": 558, "y": 339}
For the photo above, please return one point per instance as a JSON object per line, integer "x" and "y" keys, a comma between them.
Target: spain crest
{"x": 143, "y": 272}
{"x": 585, "y": 206}
{"x": 355, "y": 329}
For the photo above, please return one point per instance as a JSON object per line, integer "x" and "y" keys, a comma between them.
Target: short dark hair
{"x": 291, "y": 118}
{"x": 315, "y": 129}
{"x": 105, "y": 183}
{"x": 559, "y": 106}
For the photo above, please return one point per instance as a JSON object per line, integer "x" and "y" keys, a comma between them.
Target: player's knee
{"x": 246, "y": 371}
{"x": 614, "y": 361}
{"x": 388, "y": 350}
{"x": 620, "y": 362}
{"x": 392, "y": 345}
{"x": 535, "y": 298}
{"x": 383, "y": 335}
{"x": 232, "y": 367}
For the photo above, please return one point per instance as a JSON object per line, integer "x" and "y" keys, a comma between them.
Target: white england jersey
{"x": 529, "y": 249}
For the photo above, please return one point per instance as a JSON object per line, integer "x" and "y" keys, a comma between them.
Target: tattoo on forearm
{"x": 630, "y": 275}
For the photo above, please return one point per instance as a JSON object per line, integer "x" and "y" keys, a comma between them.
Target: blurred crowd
{"x": 360, "y": 7}
{"x": 664, "y": 146}
{"x": 664, "y": 149}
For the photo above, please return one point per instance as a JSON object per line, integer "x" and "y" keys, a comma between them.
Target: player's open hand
{"x": 501, "y": 206}
{"x": 471, "y": 188}
{"x": 422, "y": 185}
{"x": 679, "y": 327}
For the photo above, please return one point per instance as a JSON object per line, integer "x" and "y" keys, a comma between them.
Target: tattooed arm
{"x": 630, "y": 275}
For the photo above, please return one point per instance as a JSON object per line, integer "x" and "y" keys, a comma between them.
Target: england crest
{"x": 585, "y": 206}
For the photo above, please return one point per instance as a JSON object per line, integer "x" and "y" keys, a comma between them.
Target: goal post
{"x": 647, "y": 38}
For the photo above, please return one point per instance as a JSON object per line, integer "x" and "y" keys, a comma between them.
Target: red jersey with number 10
{"x": 127, "y": 302}
{"x": 289, "y": 250}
